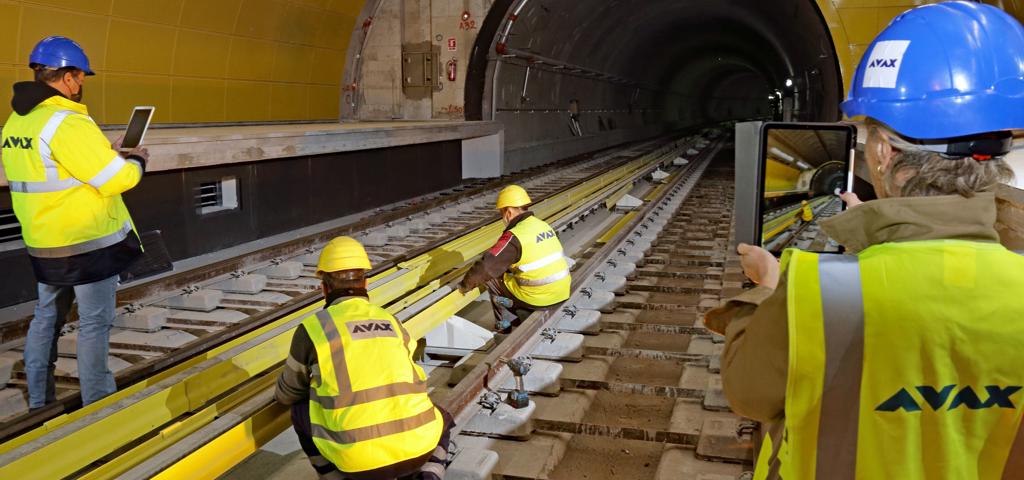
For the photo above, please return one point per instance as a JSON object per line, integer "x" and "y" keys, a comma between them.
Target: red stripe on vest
{"x": 502, "y": 242}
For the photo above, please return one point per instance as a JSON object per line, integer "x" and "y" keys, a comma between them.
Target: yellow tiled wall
{"x": 195, "y": 60}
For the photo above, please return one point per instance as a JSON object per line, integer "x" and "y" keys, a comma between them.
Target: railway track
{"x": 784, "y": 228}
{"x": 160, "y": 323}
{"x": 413, "y": 285}
{"x": 641, "y": 397}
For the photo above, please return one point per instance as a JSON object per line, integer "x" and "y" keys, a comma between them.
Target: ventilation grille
{"x": 217, "y": 196}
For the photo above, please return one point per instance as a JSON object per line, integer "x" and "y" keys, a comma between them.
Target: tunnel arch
{"x": 768, "y": 41}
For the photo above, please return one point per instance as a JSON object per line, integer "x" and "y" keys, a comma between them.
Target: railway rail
{"x": 162, "y": 322}
{"x": 168, "y": 418}
{"x": 640, "y": 397}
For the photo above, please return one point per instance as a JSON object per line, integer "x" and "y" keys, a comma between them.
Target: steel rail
{"x": 81, "y": 442}
{"x": 247, "y": 436}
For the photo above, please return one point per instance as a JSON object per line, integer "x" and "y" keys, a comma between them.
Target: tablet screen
{"x": 137, "y": 126}
{"x": 803, "y": 167}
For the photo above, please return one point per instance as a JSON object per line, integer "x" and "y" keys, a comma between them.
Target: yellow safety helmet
{"x": 803, "y": 202}
{"x": 343, "y": 253}
{"x": 513, "y": 196}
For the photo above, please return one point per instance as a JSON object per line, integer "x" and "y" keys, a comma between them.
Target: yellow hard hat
{"x": 803, "y": 202}
{"x": 513, "y": 196}
{"x": 343, "y": 253}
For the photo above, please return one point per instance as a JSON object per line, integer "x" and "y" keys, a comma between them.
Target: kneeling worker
{"x": 526, "y": 269}
{"x": 359, "y": 402}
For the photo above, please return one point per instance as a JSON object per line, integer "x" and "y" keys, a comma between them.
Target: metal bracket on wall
{"x": 421, "y": 68}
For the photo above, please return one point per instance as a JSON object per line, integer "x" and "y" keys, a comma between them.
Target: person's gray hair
{"x": 918, "y": 172}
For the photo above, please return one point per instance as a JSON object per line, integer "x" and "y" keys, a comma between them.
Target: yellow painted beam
{"x": 78, "y": 449}
{"x": 218, "y": 456}
{"x": 604, "y": 238}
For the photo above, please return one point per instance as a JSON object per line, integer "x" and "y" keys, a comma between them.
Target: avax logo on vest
{"x": 545, "y": 235}
{"x": 18, "y": 142}
{"x": 936, "y": 399}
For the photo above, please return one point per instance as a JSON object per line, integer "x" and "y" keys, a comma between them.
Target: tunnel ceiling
{"x": 692, "y": 50}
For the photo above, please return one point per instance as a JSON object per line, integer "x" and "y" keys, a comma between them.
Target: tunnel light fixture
{"x": 789, "y": 82}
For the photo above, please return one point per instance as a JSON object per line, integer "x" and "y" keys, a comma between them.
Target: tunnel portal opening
{"x": 681, "y": 62}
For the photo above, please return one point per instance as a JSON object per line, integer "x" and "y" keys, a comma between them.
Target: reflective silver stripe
{"x": 526, "y": 282}
{"x": 543, "y": 262}
{"x": 107, "y": 173}
{"x": 44, "y": 187}
{"x": 379, "y": 430}
{"x": 46, "y": 138}
{"x": 346, "y": 397}
{"x": 84, "y": 247}
{"x": 842, "y": 309}
{"x": 53, "y": 183}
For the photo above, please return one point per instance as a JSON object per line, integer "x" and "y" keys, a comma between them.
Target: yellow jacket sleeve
{"x": 80, "y": 147}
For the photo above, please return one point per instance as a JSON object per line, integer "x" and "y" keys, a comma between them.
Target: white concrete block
{"x": 680, "y": 161}
{"x": 691, "y": 152}
{"x": 396, "y": 231}
{"x": 595, "y": 300}
{"x": 308, "y": 259}
{"x": 12, "y": 402}
{"x": 584, "y": 321}
{"x": 285, "y": 270}
{"x": 219, "y": 315}
{"x": 148, "y": 319}
{"x": 503, "y": 422}
{"x": 202, "y": 300}
{"x": 253, "y": 283}
{"x": 628, "y": 255}
{"x": 542, "y": 378}
{"x": 459, "y": 333}
{"x": 659, "y": 175}
{"x": 472, "y": 464}
{"x": 628, "y": 202}
{"x": 617, "y": 267}
{"x": 565, "y": 347}
{"x": 375, "y": 239}
{"x": 607, "y": 282}
{"x": 265, "y": 298}
{"x": 163, "y": 338}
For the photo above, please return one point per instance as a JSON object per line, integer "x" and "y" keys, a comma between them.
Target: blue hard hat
{"x": 59, "y": 52}
{"x": 944, "y": 70}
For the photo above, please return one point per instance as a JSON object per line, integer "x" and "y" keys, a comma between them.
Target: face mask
{"x": 77, "y": 97}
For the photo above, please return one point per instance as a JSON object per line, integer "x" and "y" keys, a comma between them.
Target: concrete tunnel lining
{"x": 674, "y": 49}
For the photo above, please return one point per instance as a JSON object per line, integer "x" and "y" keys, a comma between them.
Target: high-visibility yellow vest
{"x": 806, "y": 213}
{"x": 541, "y": 276}
{"x": 65, "y": 180}
{"x": 368, "y": 400}
{"x": 905, "y": 361}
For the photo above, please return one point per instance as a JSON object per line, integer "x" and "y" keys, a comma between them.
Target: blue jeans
{"x": 96, "y": 303}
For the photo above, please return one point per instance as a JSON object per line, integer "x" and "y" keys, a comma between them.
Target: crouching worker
{"x": 359, "y": 402}
{"x": 526, "y": 269}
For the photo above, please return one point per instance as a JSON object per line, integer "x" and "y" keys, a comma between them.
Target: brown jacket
{"x": 498, "y": 259}
{"x": 755, "y": 359}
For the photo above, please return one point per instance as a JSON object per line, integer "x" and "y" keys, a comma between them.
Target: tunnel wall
{"x": 275, "y": 196}
{"x": 195, "y": 60}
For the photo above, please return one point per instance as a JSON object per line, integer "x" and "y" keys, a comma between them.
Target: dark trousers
{"x": 427, "y": 467}
{"x": 505, "y": 318}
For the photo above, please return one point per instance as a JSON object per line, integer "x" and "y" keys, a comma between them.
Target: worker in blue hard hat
{"x": 66, "y": 181}
{"x": 903, "y": 359}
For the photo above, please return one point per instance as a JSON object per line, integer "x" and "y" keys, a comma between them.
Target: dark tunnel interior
{"x": 691, "y": 61}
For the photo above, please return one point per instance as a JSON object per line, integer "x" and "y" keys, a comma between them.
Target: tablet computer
{"x": 137, "y": 126}
{"x": 803, "y": 167}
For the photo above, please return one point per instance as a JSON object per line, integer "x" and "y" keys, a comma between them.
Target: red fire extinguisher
{"x": 452, "y": 66}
